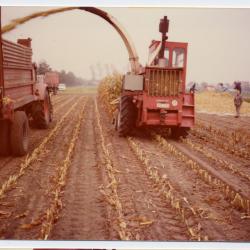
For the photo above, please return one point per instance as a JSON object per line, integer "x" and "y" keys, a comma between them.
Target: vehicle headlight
{"x": 174, "y": 103}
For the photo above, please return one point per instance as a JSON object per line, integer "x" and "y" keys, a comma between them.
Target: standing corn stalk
{"x": 109, "y": 91}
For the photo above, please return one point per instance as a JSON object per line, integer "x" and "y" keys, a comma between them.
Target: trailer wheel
{"x": 178, "y": 132}
{"x": 5, "y": 138}
{"x": 19, "y": 134}
{"x": 126, "y": 116}
{"x": 42, "y": 112}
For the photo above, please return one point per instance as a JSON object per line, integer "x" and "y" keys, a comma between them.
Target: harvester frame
{"x": 156, "y": 96}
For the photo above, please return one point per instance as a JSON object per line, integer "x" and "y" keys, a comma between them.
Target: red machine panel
{"x": 18, "y": 71}
{"x": 52, "y": 79}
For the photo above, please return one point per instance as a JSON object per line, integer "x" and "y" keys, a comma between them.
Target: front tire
{"x": 126, "y": 116}
{"x": 19, "y": 139}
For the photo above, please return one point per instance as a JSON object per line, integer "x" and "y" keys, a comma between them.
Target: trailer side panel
{"x": 18, "y": 71}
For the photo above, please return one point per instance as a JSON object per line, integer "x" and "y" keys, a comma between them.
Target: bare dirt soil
{"x": 81, "y": 181}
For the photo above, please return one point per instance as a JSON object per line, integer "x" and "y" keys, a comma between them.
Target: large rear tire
{"x": 19, "y": 139}
{"x": 5, "y": 138}
{"x": 126, "y": 116}
{"x": 42, "y": 112}
{"x": 115, "y": 119}
{"x": 177, "y": 132}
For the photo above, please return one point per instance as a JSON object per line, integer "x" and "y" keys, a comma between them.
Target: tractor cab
{"x": 170, "y": 63}
{"x": 175, "y": 54}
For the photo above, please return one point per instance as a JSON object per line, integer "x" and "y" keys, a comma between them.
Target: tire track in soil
{"x": 9, "y": 165}
{"x": 225, "y": 122}
{"x": 52, "y": 212}
{"x": 234, "y": 153}
{"x": 148, "y": 215}
{"x": 218, "y": 219}
{"x": 230, "y": 163}
{"x": 110, "y": 191}
{"x": 64, "y": 100}
{"x": 229, "y": 135}
{"x": 220, "y": 158}
{"x": 230, "y": 126}
{"x": 28, "y": 200}
{"x": 84, "y": 214}
{"x": 57, "y": 99}
{"x": 223, "y": 141}
{"x": 237, "y": 186}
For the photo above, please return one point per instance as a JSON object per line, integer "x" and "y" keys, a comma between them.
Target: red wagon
{"x": 21, "y": 96}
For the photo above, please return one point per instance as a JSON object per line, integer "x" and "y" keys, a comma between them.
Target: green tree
{"x": 43, "y": 67}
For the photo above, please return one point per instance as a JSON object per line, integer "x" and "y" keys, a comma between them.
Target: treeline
{"x": 68, "y": 78}
{"x": 223, "y": 87}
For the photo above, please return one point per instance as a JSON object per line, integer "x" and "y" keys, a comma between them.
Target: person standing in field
{"x": 238, "y": 99}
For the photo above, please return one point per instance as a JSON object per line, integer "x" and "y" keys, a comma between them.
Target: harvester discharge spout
{"x": 133, "y": 57}
{"x": 163, "y": 28}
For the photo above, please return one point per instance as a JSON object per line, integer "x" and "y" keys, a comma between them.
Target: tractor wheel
{"x": 177, "y": 132}
{"x": 115, "y": 119}
{"x": 5, "y": 138}
{"x": 19, "y": 134}
{"x": 126, "y": 116}
{"x": 42, "y": 112}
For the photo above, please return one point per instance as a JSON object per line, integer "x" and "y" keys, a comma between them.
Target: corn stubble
{"x": 221, "y": 162}
{"x": 233, "y": 142}
{"x": 237, "y": 200}
{"x": 34, "y": 156}
{"x": 187, "y": 213}
{"x": 52, "y": 213}
{"x": 112, "y": 197}
{"x": 109, "y": 91}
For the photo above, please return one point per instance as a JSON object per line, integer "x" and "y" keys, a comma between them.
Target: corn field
{"x": 109, "y": 91}
{"x": 81, "y": 181}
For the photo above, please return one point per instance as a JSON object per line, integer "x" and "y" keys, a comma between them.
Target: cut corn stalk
{"x": 53, "y": 211}
{"x": 185, "y": 210}
{"x": 113, "y": 198}
{"x": 237, "y": 200}
{"x": 34, "y": 155}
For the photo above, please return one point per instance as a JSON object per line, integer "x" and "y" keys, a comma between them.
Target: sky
{"x": 218, "y": 39}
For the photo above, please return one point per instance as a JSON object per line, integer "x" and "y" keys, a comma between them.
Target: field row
{"x": 82, "y": 181}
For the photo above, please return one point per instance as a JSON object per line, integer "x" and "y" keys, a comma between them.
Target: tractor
{"x": 155, "y": 95}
